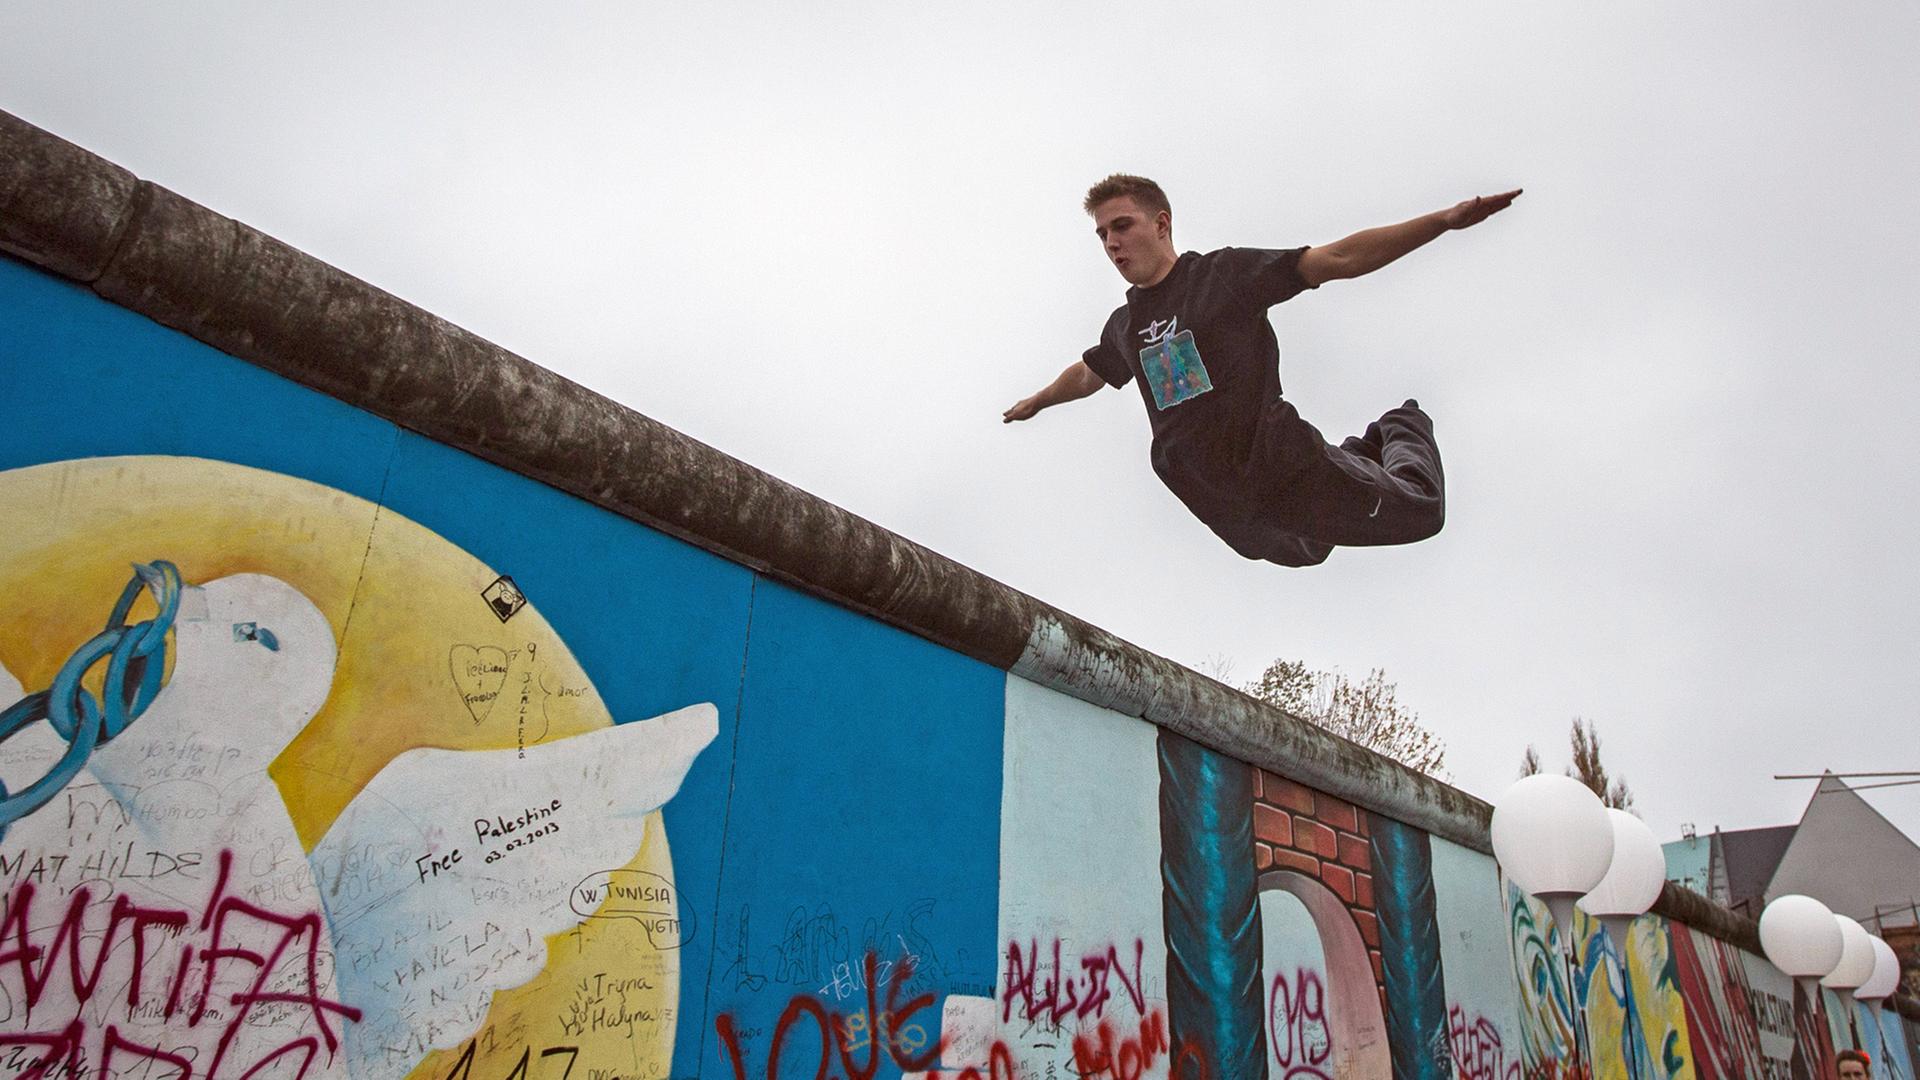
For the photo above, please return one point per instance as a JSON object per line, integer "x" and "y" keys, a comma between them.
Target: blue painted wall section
{"x": 863, "y": 823}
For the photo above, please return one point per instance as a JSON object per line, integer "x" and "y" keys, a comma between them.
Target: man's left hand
{"x": 1478, "y": 209}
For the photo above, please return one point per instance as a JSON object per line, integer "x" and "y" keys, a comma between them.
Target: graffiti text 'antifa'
{"x": 224, "y": 939}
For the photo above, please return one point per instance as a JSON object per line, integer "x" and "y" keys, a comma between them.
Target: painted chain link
{"x": 136, "y": 657}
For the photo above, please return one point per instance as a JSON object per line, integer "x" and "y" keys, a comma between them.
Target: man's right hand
{"x": 1073, "y": 384}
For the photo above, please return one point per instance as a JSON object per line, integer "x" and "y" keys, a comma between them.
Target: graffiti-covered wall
{"x": 329, "y": 749}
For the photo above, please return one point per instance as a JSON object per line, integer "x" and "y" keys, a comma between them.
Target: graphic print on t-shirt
{"x": 1171, "y": 363}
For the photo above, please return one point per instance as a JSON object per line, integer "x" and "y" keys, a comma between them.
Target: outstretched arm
{"x": 1369, "y": 250}
{"x": 1076, "y": 382}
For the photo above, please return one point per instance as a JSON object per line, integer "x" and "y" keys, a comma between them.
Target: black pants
{"x": 1383, "y": 487}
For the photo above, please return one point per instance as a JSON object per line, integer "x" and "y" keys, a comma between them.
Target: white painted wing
{"x": 444, "y": 876}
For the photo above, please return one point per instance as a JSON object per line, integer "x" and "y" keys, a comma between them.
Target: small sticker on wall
{"x": 968, "y": 1024}
{"x": 246, "y": 631}
{"x": 504, "y": 598}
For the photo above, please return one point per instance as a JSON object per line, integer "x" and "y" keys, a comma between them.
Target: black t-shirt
{"x": 1201, "y": 348}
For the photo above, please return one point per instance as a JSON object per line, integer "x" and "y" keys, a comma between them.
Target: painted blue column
{"x": 1410, "y": 951}
{"x": 1211, "y": 909}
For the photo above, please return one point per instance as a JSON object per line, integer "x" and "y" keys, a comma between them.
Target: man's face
{"x": 1138, "y": 243}
{"x": 1852, "y": 1070}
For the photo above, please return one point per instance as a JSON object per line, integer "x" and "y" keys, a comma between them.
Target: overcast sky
{"x": 1675, "y": 385}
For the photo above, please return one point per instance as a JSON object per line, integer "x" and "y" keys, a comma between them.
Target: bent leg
{"x": 1410, "y": 455}
{"x": 1345, "y": 495}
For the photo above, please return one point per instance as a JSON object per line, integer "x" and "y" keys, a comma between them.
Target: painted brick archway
{"x": 1297, "y": 828}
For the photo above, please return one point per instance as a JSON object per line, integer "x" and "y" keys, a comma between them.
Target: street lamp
{"x": 1855, "y": 967}
{"x": 1886, "y": 974}
{"x": 1880, "y": 986}
{"x": 1552, "y": 836}
{"x": 1633, "y": 882}
{"x": 1856, "y": 957}
{"x": 1802, "y": 939}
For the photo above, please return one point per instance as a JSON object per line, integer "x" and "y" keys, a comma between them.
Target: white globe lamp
{"x": 1856, "y": 962}
{"x": 1634, "y": 877}
{"x": 1553, "y": 838}
{"x": 1884, "y": 981}
{"x": 1801, "y": 937}
{"x": 1886, "y": 974}
{"x": 1856, "y": 957}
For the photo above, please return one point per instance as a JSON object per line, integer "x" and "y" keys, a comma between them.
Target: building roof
{"x": 1749, "y": 858}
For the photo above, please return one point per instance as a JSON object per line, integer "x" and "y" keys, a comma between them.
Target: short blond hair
{"x": 1126, "y": 186}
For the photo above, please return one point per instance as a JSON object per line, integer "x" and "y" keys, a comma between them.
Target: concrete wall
{"x": 338, "y": 743}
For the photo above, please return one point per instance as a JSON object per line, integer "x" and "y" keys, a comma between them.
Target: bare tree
{"x": 1591, "y": 771}
{"x": 1530, "y": 762}
{"x": 1368, "y": 711}
{"x": 1217, "y": 666}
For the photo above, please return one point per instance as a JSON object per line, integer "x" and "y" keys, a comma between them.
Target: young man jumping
{"x": 1194, "y": 334}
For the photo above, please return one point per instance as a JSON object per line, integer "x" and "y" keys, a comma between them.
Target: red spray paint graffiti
{"x": 1133, "y": 1055}
{"x": 836, "y": 1035}
{"x": 197, "y": 959}
{"x": 1103, "y": 1053}
{"x": 1044, "y": 992}
{"x": 1051, "y": 999}
{"x": 1297, "y": 1026}
{"x": 1477, "y": 1052}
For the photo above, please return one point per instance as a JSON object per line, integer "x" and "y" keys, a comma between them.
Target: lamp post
{"x": 1880, "y": 986}
{"x": 1552, "y": 836}
{"x": 1633, "y": 882}
{"x": 1854, "y": 969}
{"x": 1801, "y": 937}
